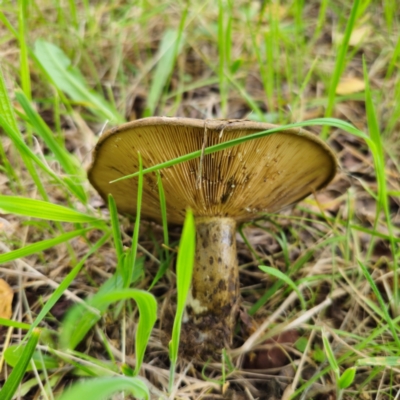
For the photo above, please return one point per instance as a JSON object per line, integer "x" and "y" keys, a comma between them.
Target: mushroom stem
{"x": 213, "y": 301}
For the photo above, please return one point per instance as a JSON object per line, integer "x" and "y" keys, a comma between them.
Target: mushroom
{"x": 222, "y": 188}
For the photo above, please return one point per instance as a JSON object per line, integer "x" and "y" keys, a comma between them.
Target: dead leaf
{"x": 7, "y": 227}
{"x": 350, "y": 85}
{"x": 358, "y": 35}
{"x": 274, "y": 356}
{"x": 6, "y": 298}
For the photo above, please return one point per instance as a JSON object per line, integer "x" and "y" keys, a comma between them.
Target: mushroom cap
{"x": 260, "y": 175}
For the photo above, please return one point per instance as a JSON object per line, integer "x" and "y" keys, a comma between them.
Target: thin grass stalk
{"x": 390, "y": 8}
{"x": 24, "y": 61}
{"x": 269, "y": 66}
{"x": 394, "y": 60}
{"x": 224, "y": 43}
{"x": 379, "y": 160}
{"x": 340, "y": 65}
{"x": 128, "y": 273}
{"x": 115, "y": 229}
{"x": 163, "y": 207}
{"x": 321, "y": 20}
{"x": 73, "y": 12}
{"x": 11, "y": 385}
{"x": 177, "y": 45}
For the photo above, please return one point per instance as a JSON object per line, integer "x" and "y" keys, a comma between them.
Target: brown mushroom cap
{"x": 261, "y": 175}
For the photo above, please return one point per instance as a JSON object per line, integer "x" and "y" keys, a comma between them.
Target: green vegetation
{"x": 93, "y": 290}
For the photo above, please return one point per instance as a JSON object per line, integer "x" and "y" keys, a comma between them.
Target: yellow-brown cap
{"x": 261, "y": 175}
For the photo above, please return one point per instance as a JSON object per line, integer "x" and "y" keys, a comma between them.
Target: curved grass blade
{"x": 81, "y": 318}
{"x": 170, "y": 46}
{"x": 104, "y": 388}
{"x": 42, "y": 209}
{"x": 283, "y": 277}
{"x": 340, "y": 63}
{"x": 147, "y": 306}
{"x": 14, "y": 353}
{"x": 69, "y": 80}
{"x": 347, "y": 378}
{"x": 41, "y": 246}
{"x": 17, "y": 374}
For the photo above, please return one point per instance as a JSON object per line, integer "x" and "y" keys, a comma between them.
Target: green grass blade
{"x": 9, "y": 124}
{"x": 340, "y": 64}
{"x": 224, "y": 50}
{"x": 131, "y": 257}
{"x": 23, "y": 56}
{"x": 283, "y": 277}
{"x": 381, "y": 302}
{"x": 321, "y": 19}
{"x": 14, "y": 324}
{"x": 147, "y": 306}
{"x": 184, "y": 270}
{"x": 329, "y": 354}
{"x": 14, "y": 353}
{"x": 69, "y": 163}
{"x": 162, "y": 269}
{"x": 7, "y": 111}
{"x": 163, "y": 207}
{"x": 347, "y": 378}
{"x": 6, "y": 108}
{"x": 294, "y": 268}
{"x": 42, "y": 209}
{"x": 104, "y": 388}
{"x": 69, "y": 80}
{"x": 379, "y": 160}
{"x": 394, "y": 60}
{"x": 8, "y": 25}
{"x": 170, "y": 47}
{"x": 11, "y": 385}
{"x": 390, "y": 361}
{"x": 115, "y": 228}
{"x": 234, "y": 142}
{"x": 41, "y": 246}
